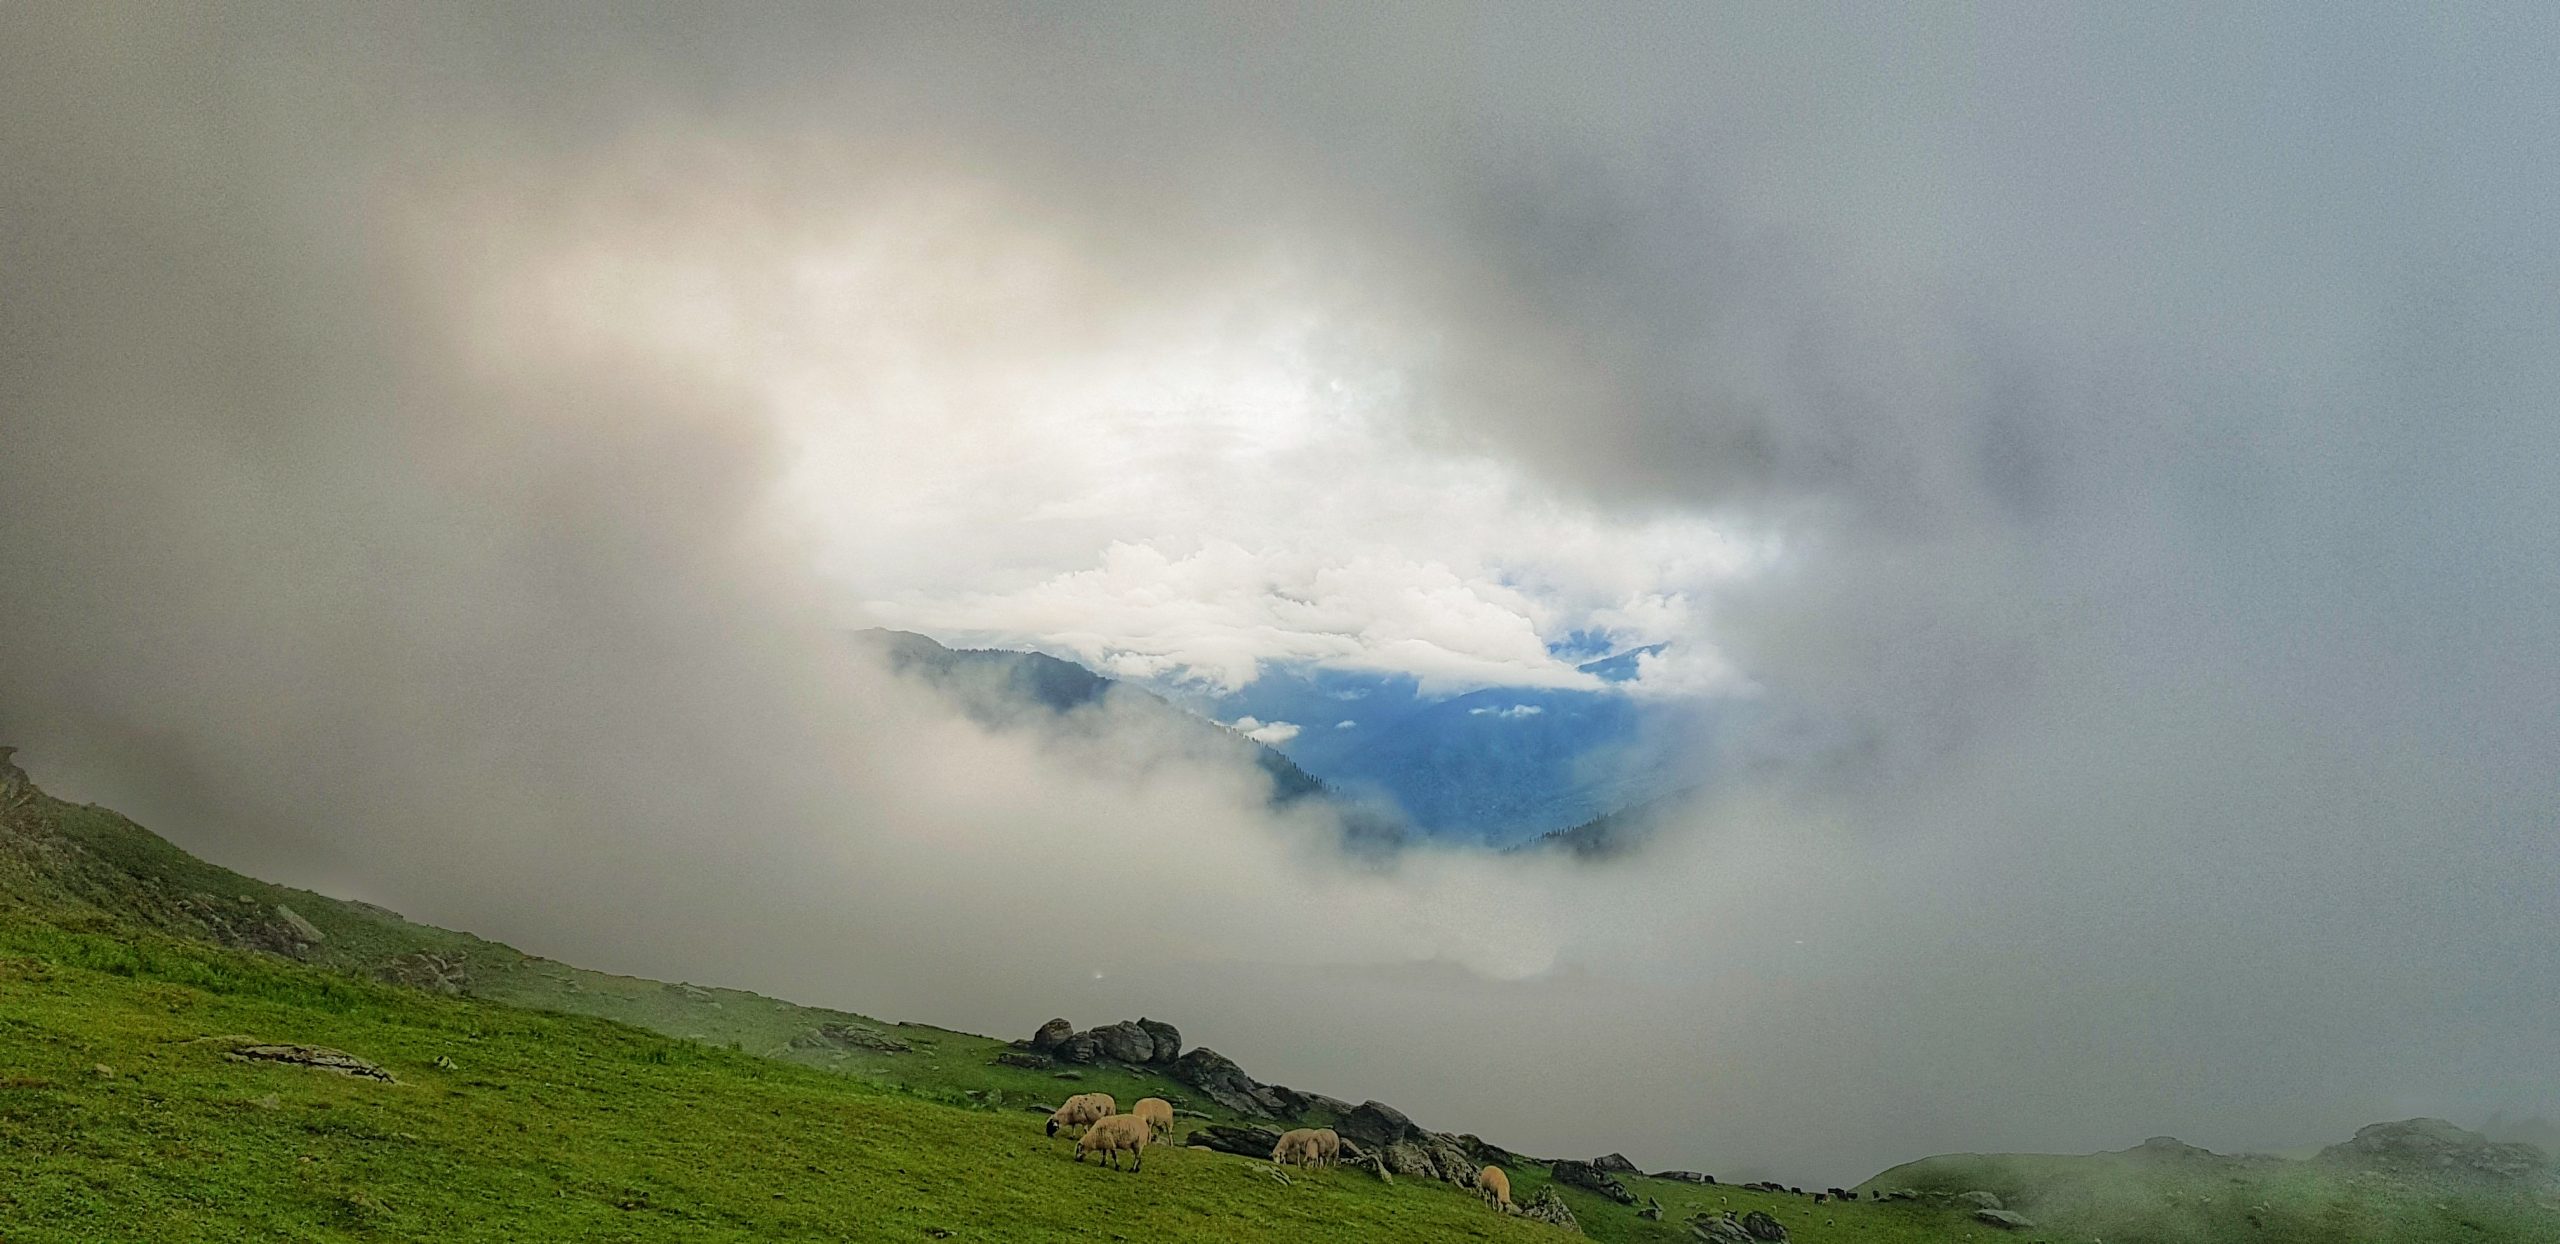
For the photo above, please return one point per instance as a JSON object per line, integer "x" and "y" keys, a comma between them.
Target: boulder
{"x": 1719, "y": 1229}
{"x": 1375, "y": 1124}
{"x": 1052, "y": 1034}
{"x": 1590, "y": 1178}
{"x": 849, "y": 1037}
{"x": 1409, "y": 1158}
{"x": 1023, "y": 1058}
{"x": 316, "y": 1056}
{"x": 1248, "y": 1142}
{"x": 1615, "y": 1164}
{"x": 1456, "y": 1165}
{"x": 1124, "y": 1042}
{"x": 1217, "y": 1075}
{"x": 1549, "y": 1208}
{"x": 2009, "y": 1219}
{"x": 301, "y": 927}
{"x": 1166, "y": 1038}
{"x": 1488, "y": 1154}
{"x": 1979, "y": 1199}
{"x": 1685, "y": 1177}
{"x": 1652, "y": 1212}
{"x": 1080, "y": 1048}
{"x": 1760, "y": 1226}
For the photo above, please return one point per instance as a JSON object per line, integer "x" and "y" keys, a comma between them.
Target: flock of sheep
{"x": 1110, "y": 1133}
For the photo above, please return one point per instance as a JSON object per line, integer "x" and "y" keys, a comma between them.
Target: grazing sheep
{"x": 1157, "y": 1112}
{"x": 1297, "y": 1145}
{"x": 1113, "y": 1134}
{"x": 1495, "y": 1188}
{"x": 1082, "y": 1110}
{"x": 1328, "y": 1147}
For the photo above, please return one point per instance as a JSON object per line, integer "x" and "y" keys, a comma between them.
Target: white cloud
{"x": 1513, "y": 711}
{"x": 1345, "y": 724}
{"x": 1260, "y": 731}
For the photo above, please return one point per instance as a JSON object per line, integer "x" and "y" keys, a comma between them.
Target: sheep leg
{"x": 1138, "y": 1158}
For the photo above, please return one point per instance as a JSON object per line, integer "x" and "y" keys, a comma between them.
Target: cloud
{"x": 443, "y": 456}
{"x": 1271, "y": 732}
{"x": 1514, "y": 710}
{"x": 1345, "y": 724}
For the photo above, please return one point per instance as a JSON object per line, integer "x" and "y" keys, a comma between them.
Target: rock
{"x": 2010, "y": 1219}
{"x": 1719, "y": 1229}
{"x": 1247, "y": 1142}
{"x": 1226, "y": 1084}
{"x": 1406, "y": 1157}
{"x": 1124, "y": 1042}
{"x": 690, "y": 991}
{"x": 1760, "y": 1226}
{"x": 1615, "y": 1164}
{"x": 103, "y": 1071}
{"x": 1068, "y": 1075}
{"x": 1080, "y": 1048}
{"x": 1052, "y": 1034}
{"x": 1549, "y": 1208}
{"x": 317, "y": 1056}
{"x": 1376, "y": 1125}
{"x": 432, "y": 972}
{"x": 1191, "y": 1114}
{"x": 1024, "y": 1058}
{"x": 1685, "y": 1177}
{"x": 1166, "y": 1038}
{"x": 444, "y": 1062}
{"x": 1456, "y": 1165}
{"x": 302, "y": 928}
{"x": 1979, "y": 1199}
{"x": 2433, "y": 1146}
{"x": 1652, "y": 1212}
{"x": 1590, "y": 1178}
{"x": 834, "y": 1036}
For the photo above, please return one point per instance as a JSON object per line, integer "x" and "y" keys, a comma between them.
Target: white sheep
{"x": 1157, "y": 1112}
{"x": 1495, "y": 1188}
{"x": 1298, "y": 1145}
{"x": 1082, "y": 1110}
{"x": 1328, "y": 1147}
{"x": 1112, "y": 1134}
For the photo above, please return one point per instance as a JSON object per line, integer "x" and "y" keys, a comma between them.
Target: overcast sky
{"x": 2114, "y": 445}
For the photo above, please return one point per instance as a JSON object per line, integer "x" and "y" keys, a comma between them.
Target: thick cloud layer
{"x": 441, "y": 456}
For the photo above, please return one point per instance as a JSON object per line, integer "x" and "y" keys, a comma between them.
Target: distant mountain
{"x": 1612, "y": 833}
{"x": 1499, "y": 765}
{"x": 1003, "y": 689}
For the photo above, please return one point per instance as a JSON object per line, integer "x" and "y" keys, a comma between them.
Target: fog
{"x": 441, "y": 456}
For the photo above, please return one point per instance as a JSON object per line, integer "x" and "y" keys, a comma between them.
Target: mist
{"x": 441, "y": 458}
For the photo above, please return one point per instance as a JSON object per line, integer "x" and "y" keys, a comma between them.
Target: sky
{"x": 2110, "y": 447}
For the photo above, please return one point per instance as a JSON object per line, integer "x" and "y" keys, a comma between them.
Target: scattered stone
{"x": 103, "y": 1071}
{"x": 2010, "y": 1219}
{"x": 1980, "y": 1199}
{"x": 1685, "y": 1177}
{"x": 1760, "y": 1226}
{"x": 1590, "y": 1178}
{"x": 434, "y": 973}
{"x": 1652, "y": 1212}
{"x": 1024, "y": 1058}
{"x": 444, "y": 1062}
{"x": 320, "y": 1057}
{"x": 1719, "y": 1229}
{"x": 1549, "y": 1208}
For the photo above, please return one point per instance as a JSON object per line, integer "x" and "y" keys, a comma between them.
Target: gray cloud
{"x": 2154, "y": 411}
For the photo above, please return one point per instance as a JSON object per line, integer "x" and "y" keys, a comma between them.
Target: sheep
{"x": 1157, "y": 1112}
{"x": 1111, "y": 1135}
{"x": 1328, "y": 1147}
{"x": 1495, "y": 1188}
{"x": 1082, "y": 1110}
{"x": 1297, "y": 1145}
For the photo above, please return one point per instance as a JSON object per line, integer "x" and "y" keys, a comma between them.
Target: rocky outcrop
{"x": 1166, "y": 1039}
{"x": 1685, "y": 1177}
{"x": 1590, "y": 1178}
{"x": 445, "y": 974}
{"x": 2009, "y": 1219}
{"x": 1760, "y": 1226}
{"x": 1549, "y": 1208}
{"x": 1980, "y": 1200}
{"x": 1023, "y": 1058}
{"x": 1136, "y": 1042}
{"x": 319, "y": 1057}
{"x": 2435, "y": 1147}
{"x": 847, "y": 1038}
{"x": 1376, "y": 1125}
{"x": 1226, "y": 1084}
{"x": 1245, "y": 1142}
{"x": 1615, "y": 1164}
{"x": 1052, "y": 1035}
{"x": 1721, "y": 1228}
{"x": 1125, "y": 1042}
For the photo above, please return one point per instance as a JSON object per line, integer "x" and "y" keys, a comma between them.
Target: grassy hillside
{"x": 2165, "y": 1193}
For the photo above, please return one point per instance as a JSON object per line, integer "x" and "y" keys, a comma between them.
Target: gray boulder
{"x": 1410, "y": 1159}
{"x": 1166, "y": 1038}
{"x": 2009, "y": 1219}
{"x": 1760, "y": 1226}
{"x": 1590, "y": 1178}
{"x": 1052, "y": 1035}
{"x": 1549, "y": 1208}
{"x": 1721, "y": 1228}
{"x": 1218, "y": 1076}
{"x": 301, "y": 927}
{"x": 1686, "y": 1177}
{"x": 1125, "y": 1042}
{"x": 1615, "y": 1164}
{"x": 1376, "y": 1125}
{"x": 1979, "y": 1199}
{"x": 1246, "y": 1142}
{"x": 1080, "y": 1048}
